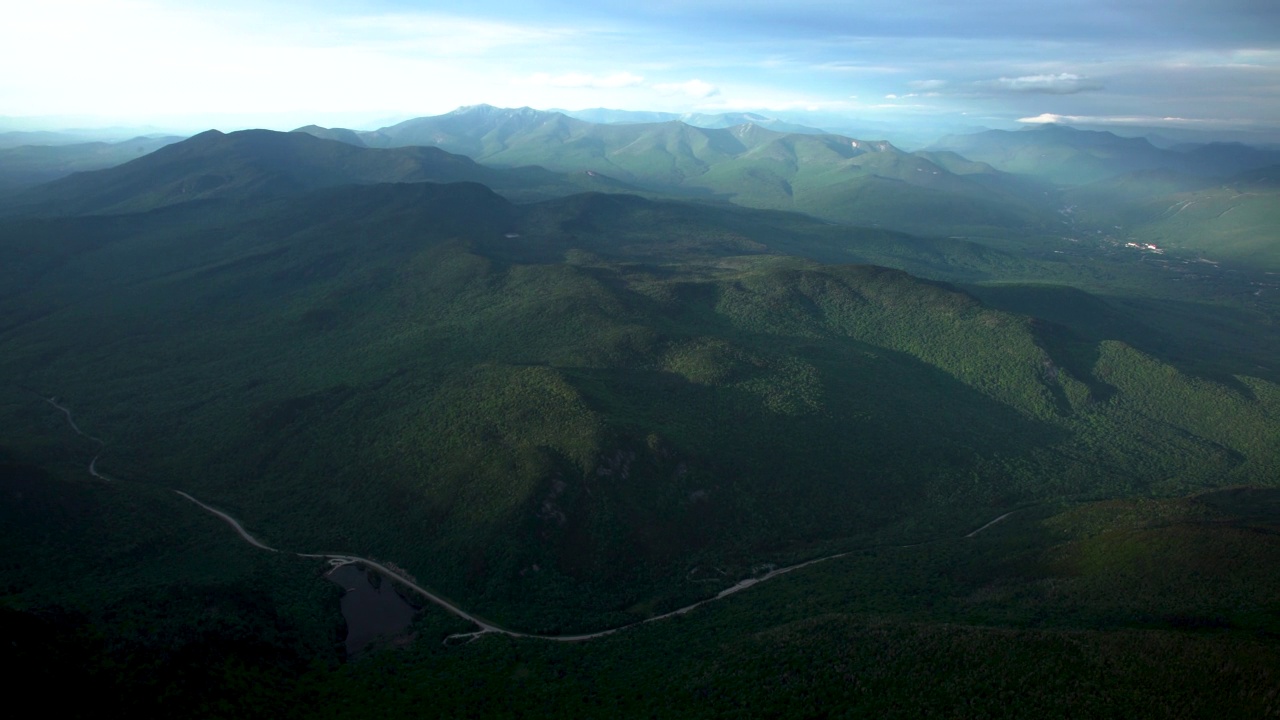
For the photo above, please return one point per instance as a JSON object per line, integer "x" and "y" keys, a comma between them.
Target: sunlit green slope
{"x": 556, "y": 418}
{"x": 829, "y": 176}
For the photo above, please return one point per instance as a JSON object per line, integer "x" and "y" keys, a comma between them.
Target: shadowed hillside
{"x": 1069, "y": 156}
{"x": 828, "y": 176}
{"x": 261, "y": 163}
{"x": 1032, "y": 472}
{"x": 551, "y": 386}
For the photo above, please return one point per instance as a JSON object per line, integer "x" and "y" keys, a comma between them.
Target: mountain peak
{"x": 251, "y": 163}
{"x": 484, "y": 109}
{"x": 206, "y": 136}
{"x": 464, "y": 109}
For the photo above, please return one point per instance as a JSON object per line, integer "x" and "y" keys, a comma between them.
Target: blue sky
{"x": 280, "y": 63}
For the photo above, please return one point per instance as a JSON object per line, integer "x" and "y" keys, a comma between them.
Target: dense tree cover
{"x": 602, "y": 418}
{"x": 583, "y": 412}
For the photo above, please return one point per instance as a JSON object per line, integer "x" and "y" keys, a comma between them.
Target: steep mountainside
{"x": 1235, "y": 220}
{"x": 262, "y": 163}
{"x": 829, "y": 176}
{"x": 1028, "y": 475}
{"x": 555, "y": 412}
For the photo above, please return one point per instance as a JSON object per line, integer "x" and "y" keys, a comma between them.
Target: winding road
{"x": 993, "y": 522}
{"x": 485, "y": 626}
{"x": 93, "y": 464}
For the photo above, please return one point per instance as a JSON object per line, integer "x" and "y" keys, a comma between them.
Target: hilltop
{"x": 263, "y": 163}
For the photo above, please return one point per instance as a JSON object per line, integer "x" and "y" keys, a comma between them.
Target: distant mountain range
{"x": 829, "y": 176}
{"x": 1067, "y": 156}
{"x": 31, "y": 164}
{"x": 262, "y": 163}
{"x": 704, "y": 120}
{"x": 575, "y": 385}
{"x": 19, "y": 138}
{"x": 1235, "y": 218}
{"x": 1164, "y": 196}
{"x": 992, "y": 182}
{"x": 1166, "y": 136}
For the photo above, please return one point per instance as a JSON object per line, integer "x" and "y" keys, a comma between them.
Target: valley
{"x": 1010, "y": 426}
{"x": 340, "y": 560}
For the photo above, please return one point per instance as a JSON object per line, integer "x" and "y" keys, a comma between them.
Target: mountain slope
{"x": 705, "y": 120}
{"x": 1235, "y": 220}
{"x": 582, "y": 412}
{"x": 829, "y": 176}
{"x": 1068, "y": 156}
{"x": 29, "y": 165}
{"x": 350, "y": 137}
{"x": 536, "y": 410}
{"x": 262, "y": 163}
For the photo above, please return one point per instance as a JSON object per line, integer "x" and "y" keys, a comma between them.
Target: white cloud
{"x": 584, "y": 80}
{"x": 141, "y": 59}
{"x": 146, "y": 59}
{"x": 1044, "y": 118}
{"x": 1059, "y": 84}
{"x": 693, "y": 88}
{"x": 859, "y": 68}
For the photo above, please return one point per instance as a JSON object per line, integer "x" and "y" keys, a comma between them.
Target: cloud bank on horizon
{"x": 282, "y": 63}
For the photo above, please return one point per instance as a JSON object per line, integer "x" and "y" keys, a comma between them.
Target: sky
{"x": 367, "y": 63}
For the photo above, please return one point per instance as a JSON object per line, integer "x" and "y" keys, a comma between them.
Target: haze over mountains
{"x": 1065, "y": 155}
{"x": 758, "y": 162}
{"x": 1018, "y": 391}
{"x": 702, "y": 120}
{"x": 263, "y": 163}
{"x": 991, "y": 180}
{"x": 832, "y": 177}
{"x": 32, "y": 164}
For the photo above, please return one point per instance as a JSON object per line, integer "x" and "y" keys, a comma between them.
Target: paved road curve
{"x": 93, "y": 464}
{"x": 485, "y": 626}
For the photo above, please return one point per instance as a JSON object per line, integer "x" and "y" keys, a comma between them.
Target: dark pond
{"x": 371, "y": 606}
